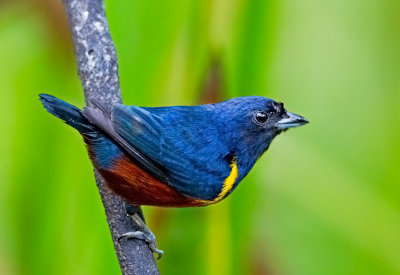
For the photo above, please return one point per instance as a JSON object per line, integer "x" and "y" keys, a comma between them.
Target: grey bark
{"x": 98, "y": 72}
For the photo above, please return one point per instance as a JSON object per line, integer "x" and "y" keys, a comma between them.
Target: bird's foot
{"x": 143, "y": 233}
{"x": 150, "y": 239}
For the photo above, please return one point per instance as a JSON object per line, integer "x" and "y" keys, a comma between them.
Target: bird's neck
{"x": 247, "y": 155}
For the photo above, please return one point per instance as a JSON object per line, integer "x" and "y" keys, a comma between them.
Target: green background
{"x": 323, "y": 200}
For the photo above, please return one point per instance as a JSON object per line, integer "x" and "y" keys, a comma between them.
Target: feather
{"x": 98, "y": 116}
{"x": 181, "y": 139}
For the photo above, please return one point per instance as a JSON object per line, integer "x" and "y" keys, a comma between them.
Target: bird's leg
{"x": 132, "y": 209}
{"x": 144, "y": 232}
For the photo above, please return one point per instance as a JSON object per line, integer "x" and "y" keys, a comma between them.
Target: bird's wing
{"x": 182, "y": 140}
{"x": 100, "y": 115}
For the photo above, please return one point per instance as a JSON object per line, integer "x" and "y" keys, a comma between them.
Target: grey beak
{"x": 291, "y": 120}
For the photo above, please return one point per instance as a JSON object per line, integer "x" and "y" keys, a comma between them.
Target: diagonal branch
{"x": 98, "y": 71}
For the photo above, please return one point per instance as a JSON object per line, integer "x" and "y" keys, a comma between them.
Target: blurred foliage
{"x": 323, "y": 200}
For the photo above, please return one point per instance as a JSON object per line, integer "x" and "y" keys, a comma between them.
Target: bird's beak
{"x": 291, "y": 120}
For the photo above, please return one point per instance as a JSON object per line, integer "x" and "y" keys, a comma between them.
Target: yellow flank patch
{"x": 228, "y": 183}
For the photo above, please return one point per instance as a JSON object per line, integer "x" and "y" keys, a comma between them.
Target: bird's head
{"x": 254, "y": 121}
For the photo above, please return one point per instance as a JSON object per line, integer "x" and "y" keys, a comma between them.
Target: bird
{"x": 175, "y": 156}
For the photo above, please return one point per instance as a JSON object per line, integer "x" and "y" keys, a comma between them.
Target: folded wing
{"x": 184, "y": 141}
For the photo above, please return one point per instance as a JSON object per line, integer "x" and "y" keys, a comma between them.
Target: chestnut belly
{"x": 138, "y": 187}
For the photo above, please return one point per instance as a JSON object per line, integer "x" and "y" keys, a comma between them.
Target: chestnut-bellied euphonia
{"x": 177, "y": 156}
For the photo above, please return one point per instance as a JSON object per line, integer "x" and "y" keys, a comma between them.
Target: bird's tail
{"x": 69, "y": 113}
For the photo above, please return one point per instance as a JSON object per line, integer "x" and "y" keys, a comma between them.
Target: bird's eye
{"x": 261, "y": 117}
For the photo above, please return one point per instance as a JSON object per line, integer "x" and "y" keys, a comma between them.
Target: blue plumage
{"x": 192, "y": 149}
{"x": 186, "y": 141}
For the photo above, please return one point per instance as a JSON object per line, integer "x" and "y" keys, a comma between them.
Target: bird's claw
{"x": 148, "y": 238}
{"x": 144, "y": 233}
{"x": 153, "y": 247}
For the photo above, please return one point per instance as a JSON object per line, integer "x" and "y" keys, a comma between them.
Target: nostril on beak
{"x": 291, "y": 120}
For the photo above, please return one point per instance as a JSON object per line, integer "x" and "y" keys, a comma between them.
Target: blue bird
{"x": 176, "y": 156}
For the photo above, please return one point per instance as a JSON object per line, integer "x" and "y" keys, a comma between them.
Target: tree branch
{"x": 98, "y": 71}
